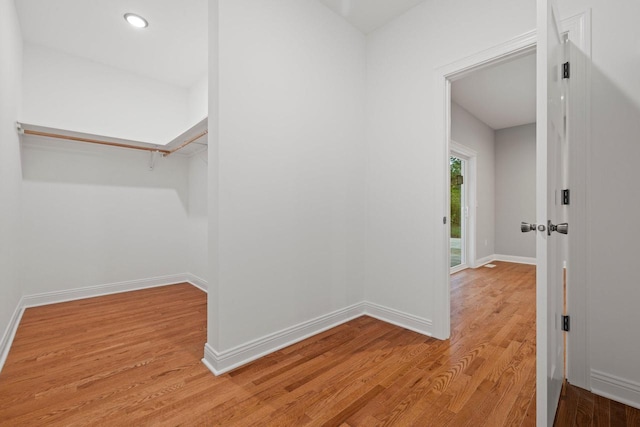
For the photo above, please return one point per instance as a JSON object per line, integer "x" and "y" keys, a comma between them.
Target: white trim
{"x": 505, "y": 258}
{"x": 399, "y": 318}
{"x": 616, "y": 388}
{"x": 196, "y": 281}
{"x": 484, "y": 260}
{"x": 520, "y": 45}
{"x": 10, "y": 333}
{"x": 579, "y": 279}
{"x": 515, "y": 259}
{"x": 579, "y": 29}
{"x": 220, "y": 363}
{"x": 101, "y": 290}
{"x": 457, "y": 268}
{"x": 210, "y": 355}
{"x": 225, "y": 361}
{"x": 444, "y": 75}
{"x": 462, "y": 149}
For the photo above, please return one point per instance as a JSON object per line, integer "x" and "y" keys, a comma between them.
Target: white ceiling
{"x": 502, "y": 96}
{"x": 172, "y": 49}
{"x": 368, "y": 15}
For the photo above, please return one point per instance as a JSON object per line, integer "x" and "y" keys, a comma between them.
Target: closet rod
{"x": 184, "y": 144}
{"x": 94, "y": 141}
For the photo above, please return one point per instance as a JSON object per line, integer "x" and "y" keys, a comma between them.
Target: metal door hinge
{"x": 566, "y": 323}
{"x": 566, "y": 70}
{"x": 566, "y": 197}
{"x": 444, "y": 219}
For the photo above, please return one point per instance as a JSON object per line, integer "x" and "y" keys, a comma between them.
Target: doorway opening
{"x": 492, "y": 120}
{"x": 445, "y": 76}
{"x": 492, "y": 112}
{"x": 578, "y": 29}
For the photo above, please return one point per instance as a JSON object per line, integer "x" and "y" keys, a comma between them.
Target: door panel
{"x": 550, "y": 248}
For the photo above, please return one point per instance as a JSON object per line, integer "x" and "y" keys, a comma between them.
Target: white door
{"x": 551, "y": 246}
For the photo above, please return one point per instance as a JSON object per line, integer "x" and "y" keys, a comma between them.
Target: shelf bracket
{"x": 152, "y": 159}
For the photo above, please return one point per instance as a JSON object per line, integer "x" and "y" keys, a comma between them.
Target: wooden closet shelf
{"x": 195, "y": 133}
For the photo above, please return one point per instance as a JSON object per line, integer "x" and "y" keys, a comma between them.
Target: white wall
{"x": 469, "y": 131}
{"x": 198, "y": 255}
{"x": 97, "y": 215}
{"x": 613, "y": 203}
{"x": 515, "y": 183}
{"x": 290, "y": 185}
{"x": 198, "y": 242}
{"x": 406, "y": 172}
{"x": 10, "y": 166}
{"x": 68, "y": 92}
{"x": 198, "y": 101}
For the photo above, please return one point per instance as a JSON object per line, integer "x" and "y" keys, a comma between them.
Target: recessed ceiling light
{"x": 136, "y": 20}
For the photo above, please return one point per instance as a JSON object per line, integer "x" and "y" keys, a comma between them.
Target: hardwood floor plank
{"x": 477, "y": 375}
{"x": 510, "y": 384}
{"x": 354, "y": 407}
{"x": 523, "y": 401}
{"x": 134, "y": 359}
{"x": 580, "y": 407}
{"x": 530, "y": 418}
{"x": 379, "y": 407}
{"x": 633, "y": 416}
{"x": 584, "y": 411}
{"x": 618, "y": 414}
{"x": 601, "y": 412}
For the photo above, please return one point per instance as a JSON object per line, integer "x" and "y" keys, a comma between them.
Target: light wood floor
{"x": 134, "y": 359}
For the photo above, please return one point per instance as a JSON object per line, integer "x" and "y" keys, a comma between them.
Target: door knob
{"x": 525, "y": 227}
{"x": 560, "y": 228}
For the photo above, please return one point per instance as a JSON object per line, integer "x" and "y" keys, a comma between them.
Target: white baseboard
{"x": 196, "y": 281}
{"x": 458, "y": 268}
{"x": 399, "y": 318}
{"x": 222, "y": 362}
{"x": 217, "y": 362}
{"x": 10, "y": 333}
{"x": 615, "y": 388}
{"x": 225, "y": 361}
{"x": 516, "y": 259}
{"x": 101, "y": 290}
{"x": 506, "y": 258}
{"x": 482, "y": 261}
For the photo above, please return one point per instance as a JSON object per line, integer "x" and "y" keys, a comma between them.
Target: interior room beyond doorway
{"x": 493, "y": 115}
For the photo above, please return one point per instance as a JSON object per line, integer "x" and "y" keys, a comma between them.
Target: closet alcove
{"x": 113, "y": 131}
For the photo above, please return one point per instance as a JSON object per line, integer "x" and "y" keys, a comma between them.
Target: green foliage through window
{"x": 455, "y": 166}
